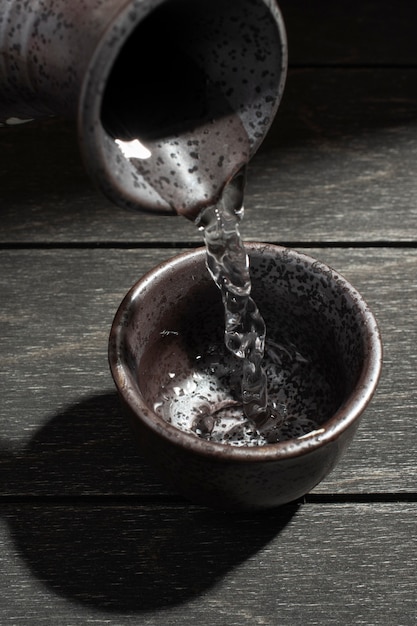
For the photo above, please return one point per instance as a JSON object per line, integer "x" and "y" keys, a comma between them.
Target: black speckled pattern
{"x": 174, "y": 313}
{"x": 122, "y": 67}
{"x": 45, "y": 49}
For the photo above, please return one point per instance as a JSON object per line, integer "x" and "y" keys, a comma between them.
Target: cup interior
{"x": 320, "y": 337}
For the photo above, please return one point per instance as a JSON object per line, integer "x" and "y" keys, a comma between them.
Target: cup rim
{"x": 346, "y": 415}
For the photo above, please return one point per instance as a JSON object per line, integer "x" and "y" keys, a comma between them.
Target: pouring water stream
{"x": 200, "y": 171}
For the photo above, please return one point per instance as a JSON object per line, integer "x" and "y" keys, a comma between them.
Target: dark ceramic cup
{"x": 174, "y": 315}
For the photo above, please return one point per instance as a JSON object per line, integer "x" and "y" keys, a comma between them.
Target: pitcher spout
{"x": 171, "y": 97}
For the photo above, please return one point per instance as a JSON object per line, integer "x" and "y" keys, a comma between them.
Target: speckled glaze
{"x": 61, "y": 57}
{"x": 174, "y": 310}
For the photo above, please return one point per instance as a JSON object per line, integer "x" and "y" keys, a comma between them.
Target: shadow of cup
{"x": 91, "y": 525}
{"x": 174, "y": 314}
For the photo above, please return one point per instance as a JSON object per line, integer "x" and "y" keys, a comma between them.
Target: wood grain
{"x": 88, "y": 534}
{"x": 350, "y": 32}
{"x": 164, "y": 565}
{"x": 62, "y": 430}
{"x": 338, "y": 165}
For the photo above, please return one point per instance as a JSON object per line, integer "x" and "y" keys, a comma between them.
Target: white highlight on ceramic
{"x": 133, "y": 149}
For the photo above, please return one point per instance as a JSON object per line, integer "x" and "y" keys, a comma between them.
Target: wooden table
{"x": 87, "y": 533}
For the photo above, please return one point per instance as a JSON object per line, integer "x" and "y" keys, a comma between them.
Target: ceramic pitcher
{"x": 145, "y": 79}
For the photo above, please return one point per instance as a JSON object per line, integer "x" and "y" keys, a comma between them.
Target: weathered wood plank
{"x": 350, "y": 32}
{"x": 87, "y": 533}
{"x": 313, "y": 564}
{"x": 339, "y": 162}
{"x": 338, "y": 165}
{"x": 62, "y": 430}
